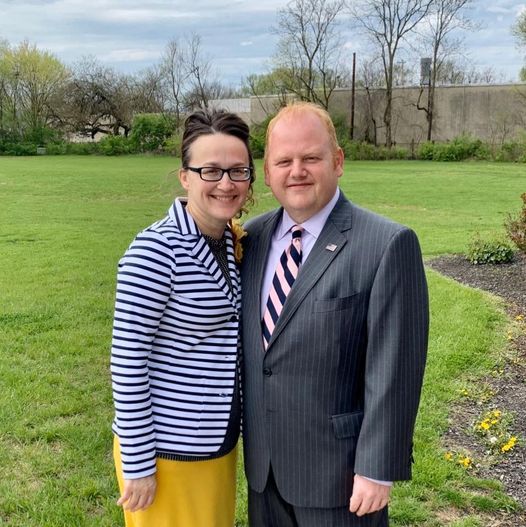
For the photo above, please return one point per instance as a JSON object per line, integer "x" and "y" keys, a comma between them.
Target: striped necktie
{"x": 286, "y": 272}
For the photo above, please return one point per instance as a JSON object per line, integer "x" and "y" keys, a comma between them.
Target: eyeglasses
{"x": 216, "y": 173}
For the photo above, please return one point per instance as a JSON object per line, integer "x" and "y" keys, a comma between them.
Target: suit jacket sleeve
{"x": 397, "y": 333}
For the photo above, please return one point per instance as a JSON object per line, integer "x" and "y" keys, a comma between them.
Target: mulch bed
{"x": 507, "y": 281}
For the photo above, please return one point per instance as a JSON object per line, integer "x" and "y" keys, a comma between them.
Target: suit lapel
{"x": 254, "y": 270}
{"x": 328, "y": 245}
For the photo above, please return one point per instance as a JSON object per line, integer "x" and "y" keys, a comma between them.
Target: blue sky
{"x": 131, "y": 35}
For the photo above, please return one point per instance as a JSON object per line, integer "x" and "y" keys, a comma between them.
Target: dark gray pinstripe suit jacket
{"x": 337, "y": 391}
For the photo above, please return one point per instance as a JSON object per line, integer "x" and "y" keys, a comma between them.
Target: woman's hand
{"x": 138, "y": 493}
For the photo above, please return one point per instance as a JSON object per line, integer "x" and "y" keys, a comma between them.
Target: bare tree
{"x": 100, "y": 100}
{"x": 388, "y": 23}
{"x": 199, "y": 74}
{"x": 445, "y": 17}
{"x": 309, "y": 48}
{"x": 174, "y": 72}
{"x": 189, "y": 80}
{"x": 147, "y": 91}
{"x": 463, "y": 71}
{"x": 519, "y": 32}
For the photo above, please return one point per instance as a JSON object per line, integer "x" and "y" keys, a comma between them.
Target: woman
{"x": 175, "y": 335}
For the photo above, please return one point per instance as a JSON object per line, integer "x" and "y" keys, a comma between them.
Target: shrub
{"x": 59, "y": 148}
{"x": 150, "y": 131}
{"x": 489, "y": 251}
{"x": 42, "y": 135}
{"x": 172, "y": 145}
{"x": 115, "y": 145}
{"x": 426, "y": 151}
{"x": 516, "y": 227}
{"x": 18, "y": 149}
{"x": 257, "y": 137}
{"x": 459, "y": 149}
{"x": 82, "y": 148}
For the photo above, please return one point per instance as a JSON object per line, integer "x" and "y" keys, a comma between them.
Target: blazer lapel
{"x": 202, "y": 252}
{"x": 233, "y": 269}
{"x": 330, "y": 242}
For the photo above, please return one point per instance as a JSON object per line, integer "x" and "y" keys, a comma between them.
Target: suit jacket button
{"x": 233, "y": 318}
{"x": 267, "y": 372}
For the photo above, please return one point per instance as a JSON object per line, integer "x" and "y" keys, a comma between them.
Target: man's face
{"x": 301, "y": 169}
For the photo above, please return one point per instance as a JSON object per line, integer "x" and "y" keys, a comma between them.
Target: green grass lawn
{"x": 64, "y": 223}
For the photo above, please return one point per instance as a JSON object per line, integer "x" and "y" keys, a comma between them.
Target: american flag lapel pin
{"x": 331, "y": 247}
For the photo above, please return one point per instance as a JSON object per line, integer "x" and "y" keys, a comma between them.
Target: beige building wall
{"x": 493, "y": 113}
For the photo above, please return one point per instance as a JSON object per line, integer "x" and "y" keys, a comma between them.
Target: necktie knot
{"x": 297, "y": 231}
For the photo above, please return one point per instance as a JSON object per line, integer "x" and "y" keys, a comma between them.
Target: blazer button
{"x": 234, "y": 318}
{"x": 267, "y": 372}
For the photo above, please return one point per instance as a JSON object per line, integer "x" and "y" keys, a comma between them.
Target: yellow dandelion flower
{"x": 519, "y": 317}
{"x": 497, "y": 413}
{"x": 509, "y": 445}
{"x": 465, "y": 461}
{"x": 448, "y": 456}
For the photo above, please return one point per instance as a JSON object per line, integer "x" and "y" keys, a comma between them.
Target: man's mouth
{"x": 299, "y": 185}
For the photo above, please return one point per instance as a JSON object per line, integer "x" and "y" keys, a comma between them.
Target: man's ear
{"x": 267, "y": 178}
{"x": 339, "y": 157}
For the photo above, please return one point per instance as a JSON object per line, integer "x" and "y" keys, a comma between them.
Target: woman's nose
{"x": 225, "y": 182}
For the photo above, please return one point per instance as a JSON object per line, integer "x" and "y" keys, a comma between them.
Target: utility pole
{"x": 353, "y": 82}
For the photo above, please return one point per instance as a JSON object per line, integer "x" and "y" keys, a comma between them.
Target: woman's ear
{"x": 183, "y": 178}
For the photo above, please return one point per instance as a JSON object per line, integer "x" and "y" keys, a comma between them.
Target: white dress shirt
{"x": 281, "y": 240}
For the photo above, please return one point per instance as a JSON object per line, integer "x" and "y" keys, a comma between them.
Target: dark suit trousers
{"x": 269, "y": 509}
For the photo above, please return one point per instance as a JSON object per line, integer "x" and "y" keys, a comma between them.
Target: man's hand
{"x": 138, "y": 493}
{"x": 368, "y": 496}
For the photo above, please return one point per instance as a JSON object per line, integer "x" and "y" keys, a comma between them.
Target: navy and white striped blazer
{"x": 174, "y": 346}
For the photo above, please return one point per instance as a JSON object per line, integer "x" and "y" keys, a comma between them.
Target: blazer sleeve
{"x": 144, "y": 283}
{"x": 397, "y": 335}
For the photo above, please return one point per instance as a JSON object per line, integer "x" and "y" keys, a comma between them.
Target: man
{"x": 334, "y": 352}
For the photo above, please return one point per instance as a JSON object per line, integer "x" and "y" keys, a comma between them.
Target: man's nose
{"x": 298, "y": 168}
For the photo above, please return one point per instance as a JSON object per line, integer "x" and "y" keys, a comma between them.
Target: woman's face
{"x": 213, "y": 203}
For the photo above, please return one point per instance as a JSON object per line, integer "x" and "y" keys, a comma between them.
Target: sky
{"x": 236, "y": 34}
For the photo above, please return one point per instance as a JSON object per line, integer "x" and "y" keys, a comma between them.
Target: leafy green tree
{"x": 31, "y": 81}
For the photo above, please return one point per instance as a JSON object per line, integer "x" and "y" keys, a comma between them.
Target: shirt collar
{"x": 313, "y": 225}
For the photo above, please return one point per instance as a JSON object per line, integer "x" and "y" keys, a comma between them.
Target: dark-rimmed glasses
{"x": 216, "y": 173}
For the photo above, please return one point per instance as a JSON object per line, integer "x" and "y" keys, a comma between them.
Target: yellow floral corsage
{"x": 237, "y": 233}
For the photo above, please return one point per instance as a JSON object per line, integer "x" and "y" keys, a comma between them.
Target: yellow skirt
{"x": 189, "y": 493}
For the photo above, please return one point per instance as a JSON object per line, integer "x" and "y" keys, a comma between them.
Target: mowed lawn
{"x": 64, "y": 223}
